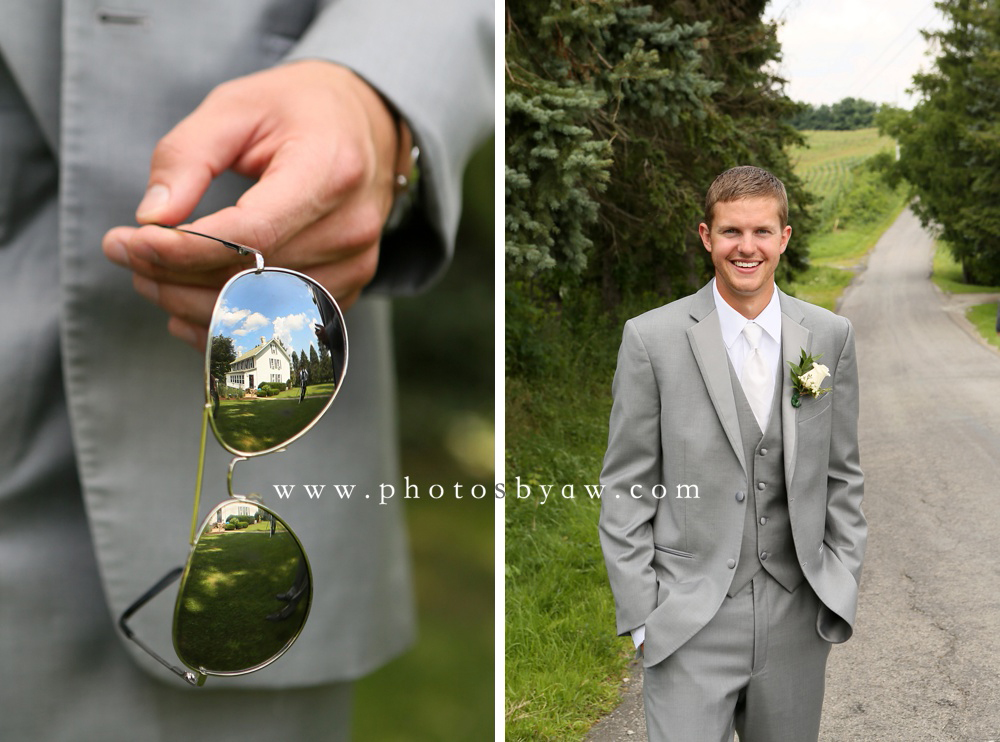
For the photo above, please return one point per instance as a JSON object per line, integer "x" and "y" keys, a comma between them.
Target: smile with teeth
{"x": 746, "y": 263}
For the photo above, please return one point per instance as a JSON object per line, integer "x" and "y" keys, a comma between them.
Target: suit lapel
{"x": 713, "y": 362}
{"x": 794, "y": 338}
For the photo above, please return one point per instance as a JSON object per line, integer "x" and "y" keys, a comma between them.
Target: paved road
{"x": 924, "y": 663}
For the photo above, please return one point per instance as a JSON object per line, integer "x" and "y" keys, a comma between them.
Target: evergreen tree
{"x": 314, "y": 369}
{"x": 950, "y": 142}
{"x": 325, "y": 365}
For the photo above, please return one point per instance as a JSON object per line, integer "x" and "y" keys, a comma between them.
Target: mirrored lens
{"x": 277, "y": 356}
{"x": 245, "y": 592}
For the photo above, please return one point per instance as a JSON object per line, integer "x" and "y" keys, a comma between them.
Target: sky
{"x": 285, "y": 310}
{"x": 869, "y": 49}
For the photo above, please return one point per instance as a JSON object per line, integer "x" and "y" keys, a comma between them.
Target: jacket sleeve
{"x": 632, "y": 466}
{"x": 846, "y": 528}
{"x": 434, "y": 63}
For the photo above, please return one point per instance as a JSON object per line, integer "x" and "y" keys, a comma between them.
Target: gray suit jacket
{"x": 674, "y": 423}
{"x": 103, "y": 83}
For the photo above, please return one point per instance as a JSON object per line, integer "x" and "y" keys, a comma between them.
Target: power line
{"x": 871, "y": 78}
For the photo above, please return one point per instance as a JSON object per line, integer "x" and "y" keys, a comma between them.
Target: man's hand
{"x": 325, "y": 150}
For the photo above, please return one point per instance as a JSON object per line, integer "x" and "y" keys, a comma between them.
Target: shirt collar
{"x": 732, "y": 322}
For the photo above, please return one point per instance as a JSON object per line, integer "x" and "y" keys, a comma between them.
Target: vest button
{"x": 763, "y": 452}
{"x": 740, "y": 496}
{"x": 763, "y": 521}
{"x": 763, "y": 556}
{"x": 731, "y": 564}
{"x": 761, "y": 485}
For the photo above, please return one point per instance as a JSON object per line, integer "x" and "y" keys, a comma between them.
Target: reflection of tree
{"x": 222, "y": 355}
{"x": 314, "y": 370}
{"x": 233, "y": 584}
{"x": 325, "y": 366}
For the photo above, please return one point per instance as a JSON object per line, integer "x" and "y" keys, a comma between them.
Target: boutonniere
{"x": 807, "y": 377}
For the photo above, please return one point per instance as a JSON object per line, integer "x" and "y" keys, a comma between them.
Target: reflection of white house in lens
{"x": 234, "y": 508}
{"x": 268, "y": 361}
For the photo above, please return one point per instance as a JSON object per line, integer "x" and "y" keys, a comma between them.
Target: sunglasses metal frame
{"x": 197, "y": 676}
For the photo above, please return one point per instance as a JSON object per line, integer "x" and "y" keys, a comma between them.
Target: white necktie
{"x": 756, "y": 379}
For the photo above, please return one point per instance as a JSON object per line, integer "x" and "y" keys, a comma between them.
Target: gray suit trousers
{"x": 758, "y": 667}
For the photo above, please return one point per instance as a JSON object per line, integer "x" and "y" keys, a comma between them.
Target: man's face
{"x": 746, "y": 240}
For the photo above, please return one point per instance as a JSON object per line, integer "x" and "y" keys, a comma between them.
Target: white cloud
{"x": 285, "y": 326}
{"x": 230, "y": 317}
{"x": 252, "y": 323}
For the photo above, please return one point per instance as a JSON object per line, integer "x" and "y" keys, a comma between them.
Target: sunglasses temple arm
{"x": 171, "y": 576}
{"x": 201, "y": 471}
{"x": 241, "y": 249}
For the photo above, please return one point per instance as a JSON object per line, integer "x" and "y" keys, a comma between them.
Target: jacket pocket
{"x": 674, "y": 552}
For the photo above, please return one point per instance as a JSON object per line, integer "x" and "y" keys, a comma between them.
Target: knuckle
{"x": 366, "y": 227}
{"x": 350, "y": 169}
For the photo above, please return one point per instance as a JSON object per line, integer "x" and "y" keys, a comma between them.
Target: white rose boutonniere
{"x": 807, "y": 378}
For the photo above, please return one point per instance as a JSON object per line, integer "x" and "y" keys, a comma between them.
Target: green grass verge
{"x": 563, "y": 660}
{"x": 984, "y": 317}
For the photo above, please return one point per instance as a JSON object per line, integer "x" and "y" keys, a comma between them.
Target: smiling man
{"x": 731, "y": 518}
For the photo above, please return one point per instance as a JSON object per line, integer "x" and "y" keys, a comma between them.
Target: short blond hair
{"x": 746, "y": 181}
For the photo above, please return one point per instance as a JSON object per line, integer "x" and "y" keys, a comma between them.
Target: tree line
{"x": 845, "y": 115}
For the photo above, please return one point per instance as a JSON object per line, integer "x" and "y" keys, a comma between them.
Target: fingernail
{"x": 146, "y": 288}
{"x": 117, "y": 253}
{"x": 156, "y": 199}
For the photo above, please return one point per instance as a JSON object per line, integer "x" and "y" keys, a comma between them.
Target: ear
{"x": 705, "y": 232}
{"x": 785, "y": 234}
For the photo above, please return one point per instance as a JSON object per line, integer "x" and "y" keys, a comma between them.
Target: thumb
{"x": 185, "y": 162}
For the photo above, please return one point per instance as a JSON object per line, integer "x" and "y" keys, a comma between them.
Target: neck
{"x": 748, "y": 305}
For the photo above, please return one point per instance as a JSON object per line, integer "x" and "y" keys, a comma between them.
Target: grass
{"x": 984, "y": 317}
{"x": 229, "y": 593}
{"x": 255, "y": 424}
{"x": 563, "y": 661}
{"x": 836, "y": 151}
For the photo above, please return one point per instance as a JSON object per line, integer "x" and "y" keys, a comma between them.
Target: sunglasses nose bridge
{"x": 229, "y": 479}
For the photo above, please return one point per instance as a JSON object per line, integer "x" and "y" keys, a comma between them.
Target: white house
{"x": 268, "y": 361}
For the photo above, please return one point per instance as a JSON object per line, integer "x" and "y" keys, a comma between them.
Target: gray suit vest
{"x": 767, "y": 529}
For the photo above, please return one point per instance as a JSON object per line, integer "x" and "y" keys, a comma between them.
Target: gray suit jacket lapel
{"x": 710, "y": 353}
{"x": 794, "y": 338}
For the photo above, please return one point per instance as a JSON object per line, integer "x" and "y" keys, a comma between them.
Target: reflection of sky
{"x": 268, "y": 305}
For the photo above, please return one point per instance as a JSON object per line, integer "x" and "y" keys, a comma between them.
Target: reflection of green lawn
{"x": 258, "y": 424}
{"x": 230, "y": 591}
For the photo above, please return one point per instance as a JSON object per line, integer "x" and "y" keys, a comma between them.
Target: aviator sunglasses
{"x": 246, "y": 588}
